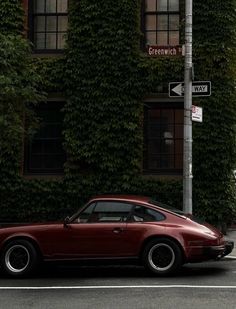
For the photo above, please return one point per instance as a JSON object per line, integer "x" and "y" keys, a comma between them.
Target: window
{"x": 48, "y": 24}
{"x": 163, "y": 138}
{"x": 106, "y": 212}
{"x": 44, "y": 153}
{"x": 143, "y": 214}
{"x": 161, "y": 22}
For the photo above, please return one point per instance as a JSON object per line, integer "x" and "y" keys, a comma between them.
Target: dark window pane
{"x": 162, "y": 5}
{"x": 51, "y": 6}
{"x": 61, "y": 40}
{"x": 40, "y": 40}
{"x": 84, "y": 216}
{"x": 112, "y": 207}
{"x": 62, "y": 23}
{"x": 162, "y": 18}
{"x": 151, "y": 38}
{"x": 39, "y": 6}
{"x": 110, "y": 212}
{"x": 44, "y": 151}
{"x": 151, "y": 22}
{"x": 51, "y": 40}
{"x": 50, "y": 23}
{"x": 143, "y": 214}
{"x": 174, "y": 22}
{"x": 162, "y": 22}
{"x": 163, "y": 138}
{"x": 150, "y": 5}
{"x": 39, "y": 24}
{"x": 36, "y": 162}
{"x": 179, "y": 161}
{"x": 174, "y": 38}
{"x": 62, "y": 6}
{"x": 173, "y": 5}
{"x": 162, "y": 38}
{"x": 179, "y": 131}
{"x": 36, "y": 146}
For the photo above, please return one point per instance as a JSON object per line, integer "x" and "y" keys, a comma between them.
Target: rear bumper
{"x": 217, "y": 252}
{"x": 199, "y": 254}
{"x": 229, "y": 246}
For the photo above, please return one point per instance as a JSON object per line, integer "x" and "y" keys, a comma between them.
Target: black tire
{"x": 19, "y": 258}
{"x": 162, "y": 256}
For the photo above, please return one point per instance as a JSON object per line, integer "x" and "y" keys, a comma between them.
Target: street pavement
{"x": 231, "y": 235}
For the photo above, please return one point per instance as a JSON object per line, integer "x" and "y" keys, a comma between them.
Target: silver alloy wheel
{"x": 17, "y": 258}
{"x": 161, "y": 257}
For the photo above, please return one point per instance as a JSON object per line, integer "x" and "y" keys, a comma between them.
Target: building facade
{"x": 162, "y": 116}
{"x": 109, "y": 123}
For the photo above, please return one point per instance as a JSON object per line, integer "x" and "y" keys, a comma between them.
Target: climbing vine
{"x": 105, "y": 75}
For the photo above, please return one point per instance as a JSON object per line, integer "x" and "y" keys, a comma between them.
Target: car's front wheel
{"x": 162, "y": 256}
{"x": 19, "y": 258}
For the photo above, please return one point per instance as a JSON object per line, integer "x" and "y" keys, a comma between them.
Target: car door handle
{"x": 117, "y": 230}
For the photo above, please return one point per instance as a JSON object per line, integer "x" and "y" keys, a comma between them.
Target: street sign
{"x": 196, "y": 113}
{"x": 199, "y": 89}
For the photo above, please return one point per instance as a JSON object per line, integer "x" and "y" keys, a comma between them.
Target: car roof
{"x": 122, "y": 197}
{"x": 146, "y": 200}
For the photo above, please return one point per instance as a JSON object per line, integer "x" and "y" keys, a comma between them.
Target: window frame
{"x": 180, "y": 12}
{"x": 31, "y": 34}
{"x": 162, "y": 170}
{"x": 28, "y": 170}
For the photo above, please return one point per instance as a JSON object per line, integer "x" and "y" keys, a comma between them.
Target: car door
{"x": 98, "y": 231}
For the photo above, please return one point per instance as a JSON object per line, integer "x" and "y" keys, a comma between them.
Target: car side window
{"x": 108, "y": 211}
{"x": 144, "y": 214}
{"x": 85, "y": 214}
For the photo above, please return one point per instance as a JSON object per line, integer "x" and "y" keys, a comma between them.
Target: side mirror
{"x": 66, "y": 221}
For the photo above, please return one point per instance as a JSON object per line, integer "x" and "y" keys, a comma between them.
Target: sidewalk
{"x": 231, "y": 235}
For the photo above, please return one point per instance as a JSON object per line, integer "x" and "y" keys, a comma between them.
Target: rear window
{"x": 177, "y": 211}
{"x": 167, "y": 207}
{"x": 144, "y": 214}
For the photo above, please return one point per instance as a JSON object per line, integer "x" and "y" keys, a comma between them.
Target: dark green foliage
{"x": 214, "y": 140}
{"x": 105, "y": 77}
{"x": 11, "y": 17}
{"x": 19, "y": 84}
{"x": 103, "y": 131}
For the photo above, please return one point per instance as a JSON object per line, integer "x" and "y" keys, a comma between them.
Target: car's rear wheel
{"x": 162, "y": 256}
{"x": 19, "y": 258}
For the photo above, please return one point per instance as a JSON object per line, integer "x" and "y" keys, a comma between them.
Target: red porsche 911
{"x": 109, "y": 228}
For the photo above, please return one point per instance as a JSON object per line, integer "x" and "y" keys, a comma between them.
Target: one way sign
{"x": 200, "y": 88}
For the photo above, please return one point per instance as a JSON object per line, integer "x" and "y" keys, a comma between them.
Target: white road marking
{"x": 94, "y": 287}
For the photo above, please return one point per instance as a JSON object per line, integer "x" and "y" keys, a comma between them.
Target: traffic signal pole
{"x": 187, "y": 156}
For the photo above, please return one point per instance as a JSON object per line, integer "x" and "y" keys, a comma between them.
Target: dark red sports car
{"x": 115, "y": 227}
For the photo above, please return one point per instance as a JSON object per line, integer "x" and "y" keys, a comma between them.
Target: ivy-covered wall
{"x": 105, "y": 76}
{"x": 214, "y": 140}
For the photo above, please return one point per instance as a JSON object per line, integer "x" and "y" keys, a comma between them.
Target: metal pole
{"x": 187, "y": 157}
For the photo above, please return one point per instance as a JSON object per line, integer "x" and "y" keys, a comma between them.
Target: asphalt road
{"x": 203, "y": 285}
